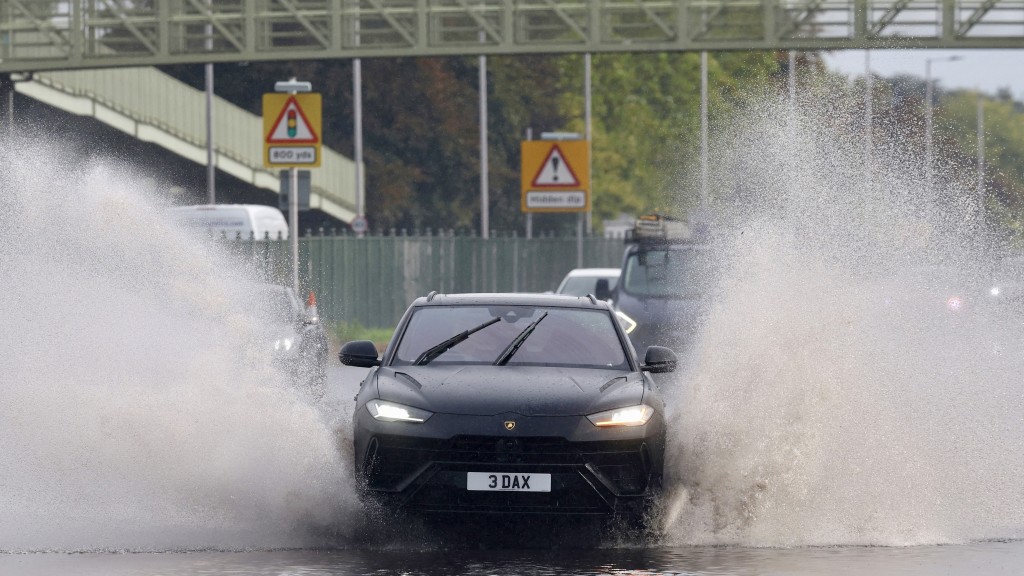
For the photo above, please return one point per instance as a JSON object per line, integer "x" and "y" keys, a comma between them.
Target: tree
{"x": 421, "y": 125}
{"x": 646, "y": 109}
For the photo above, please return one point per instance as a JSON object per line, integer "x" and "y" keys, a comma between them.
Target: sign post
{"x": 555, "y": 177}
{"x": 291, "y": 139}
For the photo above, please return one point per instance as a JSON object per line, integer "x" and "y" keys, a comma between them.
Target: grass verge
{"x": 348, "y": 331}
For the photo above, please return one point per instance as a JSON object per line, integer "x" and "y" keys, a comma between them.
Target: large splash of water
{"x": 137, "y": 408}
{"x": 836, "y": 396}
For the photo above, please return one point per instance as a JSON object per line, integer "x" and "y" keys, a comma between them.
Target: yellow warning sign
{"x": 555, "y": 176}
{"x": 291, "y": 130}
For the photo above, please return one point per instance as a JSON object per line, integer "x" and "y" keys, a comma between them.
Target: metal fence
{"x": 372, "y": 280}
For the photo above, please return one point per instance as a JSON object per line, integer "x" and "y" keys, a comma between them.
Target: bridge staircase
{"x": 154, "y": 107}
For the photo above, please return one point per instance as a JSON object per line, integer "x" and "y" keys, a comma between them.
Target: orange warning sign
{"x": 555, "y": 176}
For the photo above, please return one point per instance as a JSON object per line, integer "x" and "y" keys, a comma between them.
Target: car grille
{"x": 396, "y": 462}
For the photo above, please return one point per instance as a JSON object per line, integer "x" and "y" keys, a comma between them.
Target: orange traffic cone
{"x": 311, "y": 313}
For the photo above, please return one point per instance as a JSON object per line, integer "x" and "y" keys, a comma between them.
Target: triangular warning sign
{"x": 555, "y": 171}
{"x": 292, "y": 126}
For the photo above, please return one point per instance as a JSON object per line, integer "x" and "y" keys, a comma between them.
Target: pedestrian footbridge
{"x": 154, "y": 107}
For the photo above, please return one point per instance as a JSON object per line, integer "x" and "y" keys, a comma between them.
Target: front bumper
{"x": 424, "y": 467}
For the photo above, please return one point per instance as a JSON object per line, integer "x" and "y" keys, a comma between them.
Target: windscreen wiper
{"x": 514, "y": 345}
{"x": 434, "y": 351}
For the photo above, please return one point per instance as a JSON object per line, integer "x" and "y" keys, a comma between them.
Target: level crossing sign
{"x": 555, "y": 176}
{"x": 291, "y": 130}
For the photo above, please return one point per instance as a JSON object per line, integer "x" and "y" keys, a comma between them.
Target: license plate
{"x": 508, "y": 482}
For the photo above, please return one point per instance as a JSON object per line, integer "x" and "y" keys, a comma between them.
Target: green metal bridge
{"x": 38, "y": 35}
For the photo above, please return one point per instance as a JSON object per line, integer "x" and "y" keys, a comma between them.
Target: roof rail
{"x": 593, "y": 300}
{"x": 431, "y": 295}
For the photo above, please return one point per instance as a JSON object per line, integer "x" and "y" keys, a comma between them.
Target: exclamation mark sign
{"x": 554, "y": 166}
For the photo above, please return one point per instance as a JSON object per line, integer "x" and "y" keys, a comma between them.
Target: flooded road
{"x": 988, "y": 558}
{"x": 413, "y": 551}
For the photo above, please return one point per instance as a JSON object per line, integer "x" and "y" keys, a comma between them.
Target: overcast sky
{"x": 988, "y": 70}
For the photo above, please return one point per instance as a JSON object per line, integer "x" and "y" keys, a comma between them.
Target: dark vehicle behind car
{"x": 664, "y": 286}
{"x": 294, "y": 336}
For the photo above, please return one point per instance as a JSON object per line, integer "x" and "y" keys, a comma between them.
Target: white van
{"x": 233, "y": 221}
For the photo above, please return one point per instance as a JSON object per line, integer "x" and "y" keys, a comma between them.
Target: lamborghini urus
{"x": 509, "y": 403}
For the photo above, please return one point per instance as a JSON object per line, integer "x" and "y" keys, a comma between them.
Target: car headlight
{"x": 284, "y": 344}
{"x": 393, "y": 412}
{"x": 630, "y": 416}
{"x": 628, "y": 324}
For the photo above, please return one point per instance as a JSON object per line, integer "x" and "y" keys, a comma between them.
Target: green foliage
{"x": 646, "y": 121}
{"x": 899, "y": 111}
{"x": 421, "y": 126}
{"x": 1004, "y": 151}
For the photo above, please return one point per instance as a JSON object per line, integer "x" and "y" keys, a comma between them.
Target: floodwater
{"x": 410, "y": 550}
{"x": 835, "y": 414}
{"x": 987, "y": 558}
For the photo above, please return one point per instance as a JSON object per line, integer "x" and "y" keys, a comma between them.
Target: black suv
{"x": 510, "y": 403}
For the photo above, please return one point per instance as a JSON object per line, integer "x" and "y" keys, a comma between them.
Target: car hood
{"x": 525, "y": 390}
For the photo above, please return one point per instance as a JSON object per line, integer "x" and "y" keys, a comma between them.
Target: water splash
{"x": 835, "y": 398}
{"x": 138, "y": 409}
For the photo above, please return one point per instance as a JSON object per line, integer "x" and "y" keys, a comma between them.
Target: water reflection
{"x": 990, "y": 558}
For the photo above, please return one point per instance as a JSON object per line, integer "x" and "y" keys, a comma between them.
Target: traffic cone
{"x": 311, "y": 312}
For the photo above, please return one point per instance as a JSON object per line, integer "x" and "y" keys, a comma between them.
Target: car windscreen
{"x": 668, "y": 273}
{"x": 572, "y": 337}
{"x": 583, "y": 285}
{"x": 274, "y": 305}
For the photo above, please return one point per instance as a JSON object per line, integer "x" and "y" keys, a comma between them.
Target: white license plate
{"x": 508, "y": 482}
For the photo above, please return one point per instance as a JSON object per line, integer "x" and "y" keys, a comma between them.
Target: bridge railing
{"x": 48, "y": 34}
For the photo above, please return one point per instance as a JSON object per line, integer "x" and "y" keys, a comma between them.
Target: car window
{"x": 566, "y": 337}
{"x": 583, "y": 285}
{"x": 669, "y": 273}
{"x": 276, "y": 304}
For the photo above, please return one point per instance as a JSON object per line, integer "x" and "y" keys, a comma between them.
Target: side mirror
{"x": 601, "y": 290}
{"x": 360, "y": 353}
{"x": 659, "y": 360}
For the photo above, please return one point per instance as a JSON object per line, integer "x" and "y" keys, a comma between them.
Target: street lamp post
{"x": 703, "y": 129}
{"x": 981, "y": 152}
{"x": 868, "y": 113}
{"x": 485, "y": 214}
{"x": 928, "y": 115}
{"x": 211, "y": 154}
